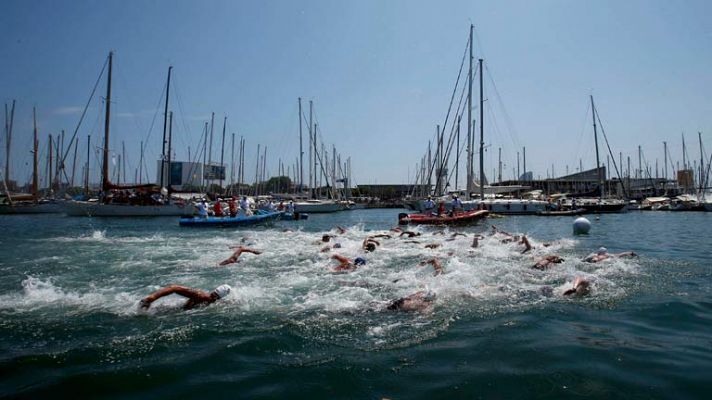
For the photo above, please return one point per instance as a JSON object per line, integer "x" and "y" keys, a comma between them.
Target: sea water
{"x": 292, "y": 328}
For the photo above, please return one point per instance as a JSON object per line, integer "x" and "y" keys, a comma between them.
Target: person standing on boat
{"x": 456, "y": 204}
{"x": 428, "y": 205}
{"x": 232, "y": 207}
{"x": 245, "y": 206}
{"x": 202, "y": 209}
{"x": 441, "y": 209}
{"x": 290, "y": 207}
{"x": 195, "y": 297}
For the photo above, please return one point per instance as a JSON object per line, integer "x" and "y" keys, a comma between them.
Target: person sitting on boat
{"x": 428, "y": 205}
{"x": 456, "y": 205}
{"x": 238, "y": 250}
{"x": 547, "y": 262}
{"x": 436, "y": 265}
{"x": 217, "y": 208}
{"x": 280, "y": 207}
{"x": 195, "y": 297}
{"x": 244, "y": 204}
{"x": 271, "y": 207}
{"x": 290, "y": 207}
{"x": 419, "y": 301}
{"x": 345, "y": 264}
{"x": 602, "y": 254}
{"x": 581, "y": 287}
{"x": 441, "y": 209}
{"x": 232, "y": 207}
{"x": 202, "y": 208}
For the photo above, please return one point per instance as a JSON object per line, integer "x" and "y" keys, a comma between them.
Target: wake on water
{"x": 292, "y": 282}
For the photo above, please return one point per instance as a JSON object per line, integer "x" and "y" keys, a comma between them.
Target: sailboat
{"x": 600, "y": 205}
{"x": 144, "y": 201}
{"x": 28, "y": 204}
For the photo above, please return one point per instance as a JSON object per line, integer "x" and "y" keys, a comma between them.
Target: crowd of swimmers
{"x": 418, "y": 301}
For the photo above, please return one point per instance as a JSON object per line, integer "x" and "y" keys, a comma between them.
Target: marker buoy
{"x": 581, "y": 226}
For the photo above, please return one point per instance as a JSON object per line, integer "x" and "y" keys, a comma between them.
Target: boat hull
{"x": 464, "y": 218}
{"x": 561, "y": 213}
{"x": 96, "y": 209}
{"x": 317, "y": 207}
{"x": 227, "y": 222}
{"x": 497, "y": 206}
{"x": 32, "y": 208}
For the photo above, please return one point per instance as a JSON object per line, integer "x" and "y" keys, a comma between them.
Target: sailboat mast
{"x": 301, "y": 150}
{"x": 165, "y": 123}
{"x": 170, "y": 142}
{"x": 482, "y": 136}
{"x": 105, "y": 166}
{"x": 469, "y": 120}
{"x": 8, "y": 137}
{"x": 595, "y": 138}
{"x": 86, "y": 177}
{"x": 35, "y": 148}
{"x": 222, "y": 152}
{"x": 702, "y": 164}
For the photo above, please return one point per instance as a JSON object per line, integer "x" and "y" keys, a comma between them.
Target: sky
{"x": 380, "y": 75}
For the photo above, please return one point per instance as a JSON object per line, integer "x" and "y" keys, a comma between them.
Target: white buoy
{"x": 581, "y": 226}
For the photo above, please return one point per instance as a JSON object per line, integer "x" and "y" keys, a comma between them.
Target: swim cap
{"x": 360, "y": 261}
{"x": 602, "y": 250}
{"x": 222, "y": 290}
{"x": 337, "y": 245}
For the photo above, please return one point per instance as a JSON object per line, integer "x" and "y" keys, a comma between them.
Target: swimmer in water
{"x": 581, "y": 287}
{"x": 370, "y": 244}
{"x": 602, "y": 254}
{"x": 346, "y": 265}
{"x": 380, "y": 235}
{"x": 327, "y": 248}
{"x": 340, "y": 229}
{"x": 410, "y": 234}
{"x": 240, "y": 249}
{"x": 419, "y": 301}
{"x": 547, "y": 262}
{"x": 195, "y": 297}
{"x": 436, "y": 266}
{"x": 432, "y": 245}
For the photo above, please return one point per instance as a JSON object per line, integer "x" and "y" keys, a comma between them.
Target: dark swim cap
{"x": 360, "y": 261}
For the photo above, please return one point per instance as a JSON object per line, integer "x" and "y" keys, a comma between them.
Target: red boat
{"x": 459, "y": 218}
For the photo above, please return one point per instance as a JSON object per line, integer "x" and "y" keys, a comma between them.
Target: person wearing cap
{"x": 202, "y": 209}
{"x": 456, "y": 204}
{"x": 195, "y": 297}
{"x": 370, "y": 244}
{"x": 217, "y": 208}
{"x": 428, "y": 205}
{"x": 290, "y": 207}
{"x": 238, "y": 250}
{"x": 602, "y": 254}
{"x": 345, "y": 264}
{"x": 436, "y": 266}
{"x": 547, "y": 262}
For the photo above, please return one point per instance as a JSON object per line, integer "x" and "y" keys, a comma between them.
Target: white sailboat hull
{"x": 317, "y": 206}
{"x": 96, "y": 209}
{"x": 497, "y": 206}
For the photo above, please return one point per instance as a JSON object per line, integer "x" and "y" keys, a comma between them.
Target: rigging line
{"x": 153, "y": 120}
{"x": 179, "y": 100}
{"x": 86, "y": 107}
{"x": 453, "y": 132}
{"x": 508, "y": 121}
{"x": 452, "y": 97}
{"x": 613, "y": 158}
{"x": 582, "y": 133}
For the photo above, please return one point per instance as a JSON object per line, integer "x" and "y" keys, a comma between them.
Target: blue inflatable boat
{"x": 259, "y": 217}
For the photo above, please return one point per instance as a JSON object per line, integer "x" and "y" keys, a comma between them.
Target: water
{"x": 70, "y": 324}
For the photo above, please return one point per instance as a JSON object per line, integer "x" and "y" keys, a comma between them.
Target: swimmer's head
{"x": 325, "y": 238}
{"x": 360, "y": 261}
{"x": 601, "y": 251}
{"x": 370, "y": 246}
{"x": 337, "y": 245}
{"x": 222, "y": 291}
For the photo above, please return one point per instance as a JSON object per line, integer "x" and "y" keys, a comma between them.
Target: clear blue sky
{"x": 379, "y": 72}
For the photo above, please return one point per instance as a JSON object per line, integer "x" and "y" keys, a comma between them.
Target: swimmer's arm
{"x": 184, "y": 291}
{"x": 341, "y": 259}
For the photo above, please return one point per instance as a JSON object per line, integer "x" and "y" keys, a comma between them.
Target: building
{"x": 185, "y": 175}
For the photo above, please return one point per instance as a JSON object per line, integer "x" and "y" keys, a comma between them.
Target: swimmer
{"x": 476, "y": 241}
{"x": 419, "y": 301}
{"x": 432, "y": 245}
{"x": 547, "y": 261}
{"x": 581, "y": 287}
{"x": 436, "y": 266}
{"x": 410, "y": 234}
{"x": 380, "y": 235}
{"x": 396, "y": 229}
{"x": 370, "y": 244}
{"x": 340, "y": 229}
{"x": 325, "y": 238}
{"x": 345, "y": 264}
{"x": 195, "y": 297}
{"x": 240, "y": 249}
{"x": 327, "y": 248}
{"x": 602, "y": 254}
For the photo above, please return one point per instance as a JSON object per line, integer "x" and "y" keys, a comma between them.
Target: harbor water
{"x": 291, "y": 328}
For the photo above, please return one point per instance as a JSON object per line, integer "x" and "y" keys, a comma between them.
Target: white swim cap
{"x": 602, "y": 250}
{"x": 222, "y": 290}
